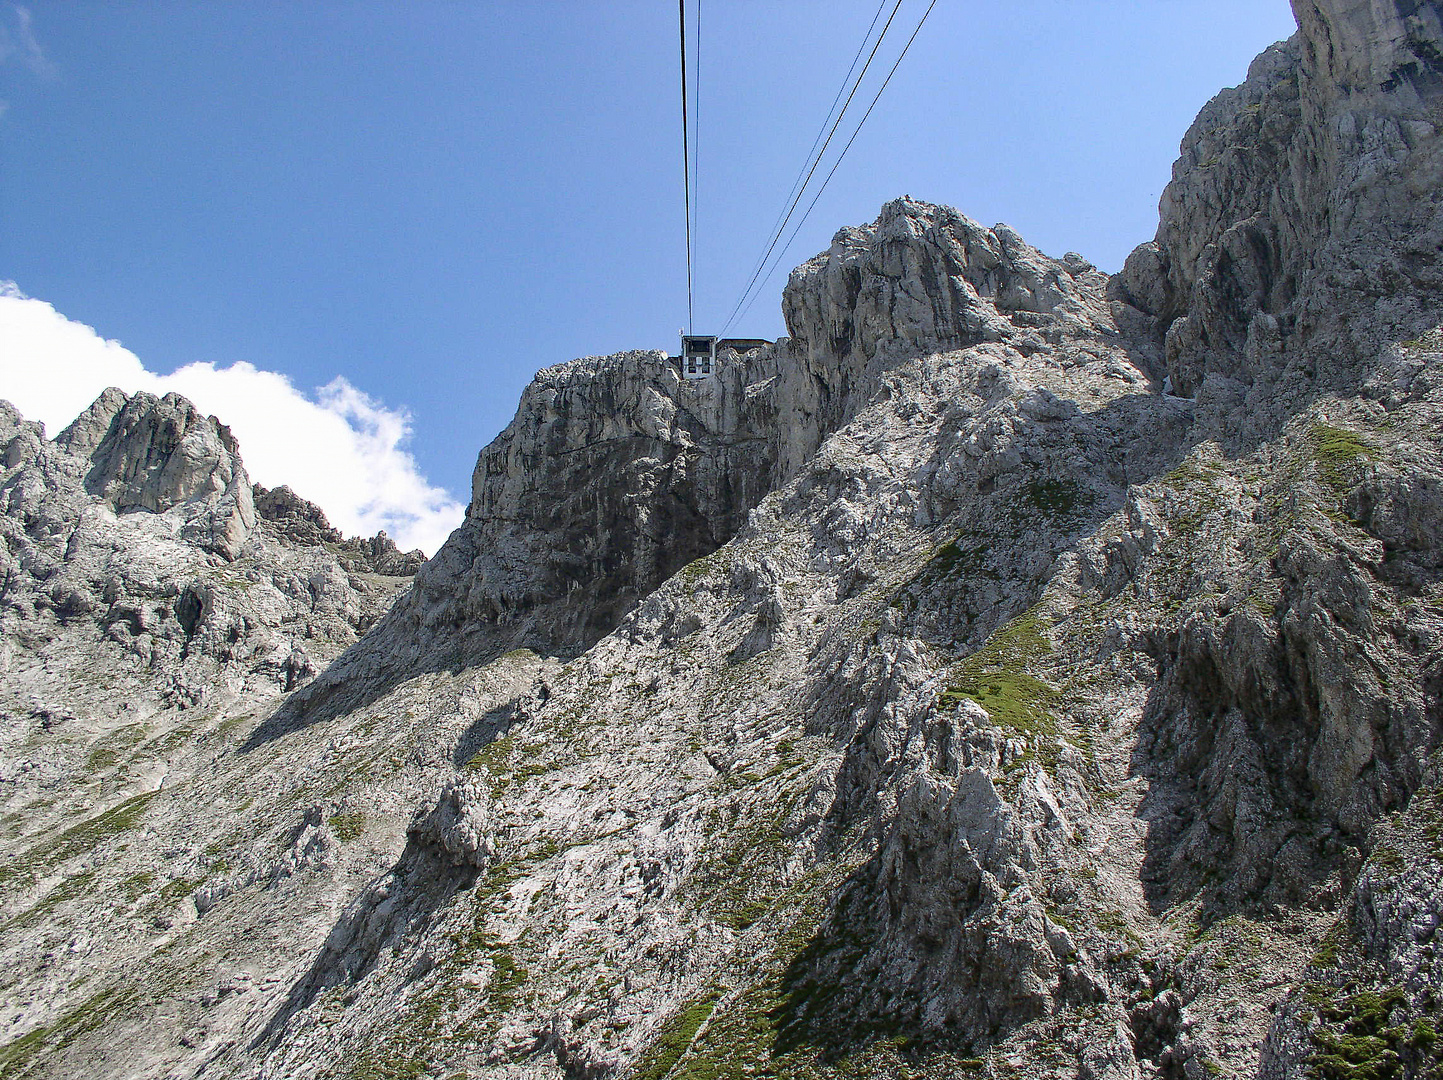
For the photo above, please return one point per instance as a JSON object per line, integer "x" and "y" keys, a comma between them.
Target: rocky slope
{"x": 1013, "y": 672}
{"x": 150, "y": 601}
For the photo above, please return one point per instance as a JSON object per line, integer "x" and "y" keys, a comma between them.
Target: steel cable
{"x": 816, "y": 161}
{"x": 802, "y": 220}
{"x": 686, "y": 164}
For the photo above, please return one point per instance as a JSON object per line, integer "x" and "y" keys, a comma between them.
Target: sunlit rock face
{"x": 1015, "y": 671}
{"x": 160, "y": 454}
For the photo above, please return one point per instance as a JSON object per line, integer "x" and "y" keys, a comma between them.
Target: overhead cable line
{"x": 777, "y": 225}
{"x": 817, "y": 160}
{"x": 686, "y": 163}
{"x": 696, "y": 132}
{"x": 802, "y": 220}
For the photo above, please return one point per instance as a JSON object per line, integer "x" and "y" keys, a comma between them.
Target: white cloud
{"x": 21, "y": 45}
{"x": 340, "y": 448}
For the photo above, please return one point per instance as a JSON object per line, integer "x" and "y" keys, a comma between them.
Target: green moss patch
{"x": 797, "y": 1019}
{"x": 739, "y": 882}
{"x": 504, "y": 764}
{"x": 92, "y": 1014}
{"x": 179, "y": 888}
{"x": 347, "y": 825}
{"x": 1057, "y": 499}
{"x": 997, "y": 678}
{"x": 675, "y": 1038}
{"x": 81, "y": 838}
{"x": 958, "y": 560}
{"x": 1338, "y": 454}
{"x": 1330, "y": 949}
{"x": 68, "y": 889}
{"x": 495, "y": 756}
{"x": 30, "y": 867}
{"x": 1013, "y": 700}
{"x": 1369, "y": 1036}
{"x": 953, "y": 559}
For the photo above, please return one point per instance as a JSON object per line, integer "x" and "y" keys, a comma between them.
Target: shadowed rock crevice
{"x": 937, "y": 691}
{"x": 447, "y": 846}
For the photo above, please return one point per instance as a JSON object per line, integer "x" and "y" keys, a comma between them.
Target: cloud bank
{"x": 339, "y": 447}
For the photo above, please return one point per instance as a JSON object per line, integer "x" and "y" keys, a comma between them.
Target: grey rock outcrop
{"x": 303, "y": 522}
{"x": 616, "y": 473}
{"x": 459, "y": 824}
{"x": 927, "y": 278}
{"x": 931, "y": 693}
{"x": 1303, "y": 212}
{"x": 160, "y": 454}
{"x": 295, "y": 518}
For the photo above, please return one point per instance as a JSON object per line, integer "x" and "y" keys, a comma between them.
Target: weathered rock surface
{"x": 1013, "y": 672}
{"x": 303, "y": 522}
{"x": 615, "y": 474}
{"x": 145, "y": 610}
{"x": 162, "y": 455}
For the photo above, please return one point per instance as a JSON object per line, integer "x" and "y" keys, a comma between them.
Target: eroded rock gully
{"x": 1015, "y": 671}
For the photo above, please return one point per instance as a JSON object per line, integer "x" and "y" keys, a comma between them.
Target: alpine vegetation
{"x": 1015, "y": 671}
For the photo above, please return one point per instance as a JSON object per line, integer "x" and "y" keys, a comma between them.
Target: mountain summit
{"x": 1015, "y": 671}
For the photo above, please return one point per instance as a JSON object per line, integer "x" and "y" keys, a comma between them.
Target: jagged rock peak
{"x": 1303, "y": 219}
{"x": 149, "y": 453}
{"x": 303, "y": 522}
{"x": 379, "y": 555}
{"x": 294, "y": 517}
{"x": 924, "y": 276}
{"x": 130, "y": 543}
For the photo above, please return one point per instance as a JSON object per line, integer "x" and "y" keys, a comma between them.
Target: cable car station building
{"x": 699, "y": 352}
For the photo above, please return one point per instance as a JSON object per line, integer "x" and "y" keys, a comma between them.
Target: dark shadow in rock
{"x": 396, "y": 650}
{"x": 484, "y": 731}
{"x": 834, "y": 1000}
{"x": 455, "y": 617}
{"x": 400, "y": 904}
{"x": 1278, "y": 733}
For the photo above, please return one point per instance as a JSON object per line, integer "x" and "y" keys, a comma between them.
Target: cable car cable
{"x": 696, "y": 133}
{"x": 818, "y": 160}
{"x": 814, "y": 162}
{"x": 782, "y": 253}
{"x": 821, "y": 130}
{"x": 686, "y": 164}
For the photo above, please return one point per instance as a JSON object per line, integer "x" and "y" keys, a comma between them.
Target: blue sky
{"x": 434, "y": 199}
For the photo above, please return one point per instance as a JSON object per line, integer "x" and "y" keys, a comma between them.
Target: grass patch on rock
{"x": 795, "y": 1017}
{"x": 93, "y": 1013}
{"x": 1338, "y": 454}
{"x": 998, "y": 678}
{"x": 347, "y": 825}
{"x": 1369, "y": 1036}
{"x": 28, "y": 868}
{"x": 501, "y": 761}
{"x": 674, "y": 1038}
{"x": 1057, "y": 498}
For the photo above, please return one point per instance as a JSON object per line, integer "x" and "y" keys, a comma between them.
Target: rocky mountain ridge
{"x": 1015, "y": 671}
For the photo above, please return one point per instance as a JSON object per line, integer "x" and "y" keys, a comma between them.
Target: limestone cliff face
{"x": 1013, "y": 672}
{"x": 616, "y": 473}
{"x": 1304, "y": 210}
{"x": 924, "y": 277}
{"x": 138, "y": 577}
{"x": 160, "y": 454}
{"x": 1298, "y": 245}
